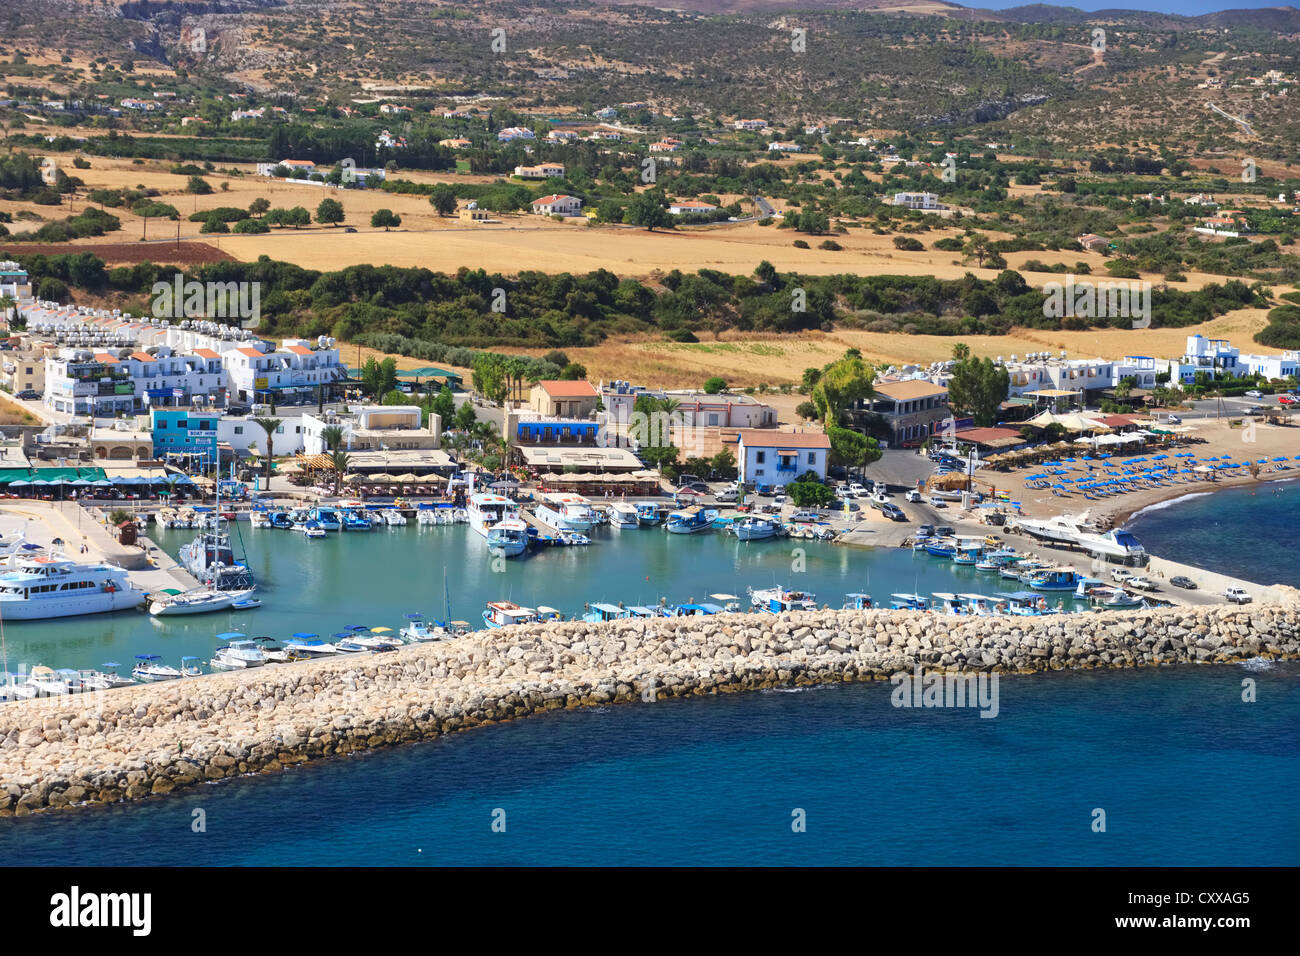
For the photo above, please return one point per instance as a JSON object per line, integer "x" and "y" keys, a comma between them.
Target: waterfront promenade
{"x": 154, "y": 739}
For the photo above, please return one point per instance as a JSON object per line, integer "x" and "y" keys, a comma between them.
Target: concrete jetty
{"x": 154, "y": 739}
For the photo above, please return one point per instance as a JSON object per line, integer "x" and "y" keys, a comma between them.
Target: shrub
{"x": 831, "y": 245}
{"x": 908, "y": 244}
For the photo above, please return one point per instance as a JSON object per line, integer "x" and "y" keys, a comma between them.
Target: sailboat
{"x": 210, "y": 557}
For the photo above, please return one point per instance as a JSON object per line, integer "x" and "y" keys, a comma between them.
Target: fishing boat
{"x": 211, "y": 558}
{"x": 979, "y": 605}
{"x": 299, "y": 517}
{"x": 1120, "y": 598}
{"x": 1025, "y": 603}
{"x": 1016, "y": 570}
{"x": 642, "y": 611}
{"x": 313, "y": 530}
{"x": 730, "y": 603}
{"x": 939, "y": 549}
{"x": 566, "y": 512}
{"x": 1052, "y": 579}
{"x": 857, "y": 601}
{"x": 945, "y": 602}
{"x": 150, "y": 669}
{"x": 327, "y": 519}
{"x": 967, "y": 556}
{"x": 695, "y": 610}
{"x": 258, "y": 518}
{"x": 418, "y": 630}
{"x": 647, "y": 513}
{"x": 548, "y": 614}
{"x": 908, "y": 602}
{"x": 508, "y": 538}
{"x": 595, "y": 613}
{"x": 623, "y": 515}
{"x": 280, "y": 520}
{"x": 754, "y": 528}
{"x": 776, "y": 600}
{"x": 196, "y": 601}
{"x": 37, "y": 587}
{"x": 691, "y": 520}
{"x": 238, "y": 653}
{"x": 499, "y": 614}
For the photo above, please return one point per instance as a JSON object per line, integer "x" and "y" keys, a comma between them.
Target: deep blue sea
{"x": 1185, "y": 771}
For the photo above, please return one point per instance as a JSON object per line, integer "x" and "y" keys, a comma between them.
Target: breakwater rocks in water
{"x": 155, "y": 739}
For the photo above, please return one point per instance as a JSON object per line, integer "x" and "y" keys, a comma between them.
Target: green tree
{"x": 332, "y": 436}
{"x": 198, "y": 186}
{"x": 259, "y": 206}
{"x": 444, "y": 406}
{"x": 840, "y": 385}
{"x": 807, "y": 491}
{"x": 443, "y": 199}
{"x": 977, "y": 386}
{"x": 714, "y": 385}
{"x": 852, "y": 449}
{"x": 329, "y": 211}
{"x": 573, "y": 372}
{"x": 647, "y": 209}
{"x": 339, "y": 461}
{"x": 385, "y": 218}
{"x": 466, "y": 416}
{"x": 270, "y": 426}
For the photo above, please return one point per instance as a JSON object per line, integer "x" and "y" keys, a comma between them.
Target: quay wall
{"x": 155, "y": 739}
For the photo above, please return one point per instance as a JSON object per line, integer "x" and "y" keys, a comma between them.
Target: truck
{"x": 1237, "y": 595}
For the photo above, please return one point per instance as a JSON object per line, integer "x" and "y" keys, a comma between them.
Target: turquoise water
{"x": 1186, "y": 773}
{"x": 1249, "y": 531}
{"x": 375, "y": 578}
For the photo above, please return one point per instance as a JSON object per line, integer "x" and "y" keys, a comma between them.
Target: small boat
{"x": 647, "y": 513}
{"x": 778, "y": 599}
{"x": 16, "y": 687}
{"x": 353, "y": 520}
{"x": 754, "y": 528}
{"x": 190, "y": 667}
{"x": 1052, "y": 579}
{"x": 623, "y": 515}
{"x": 857, "y": 602}
{"x": 966, "y": 556}
{"x": 641, "y": 611}
{"x": 327, "y": 519}
{"x": 506, "y": 613}
{"x": 151, "y": 669}
{"x": 280, "y": 520}
{"x": 691, "y": 521}
{"x": 418, "y": 630}
{"x": 372, "y": 638}
{"x": 299, "y": 517}
{"x": 908, "y": 602}
{"x": 980, "y": 605}
{"x": 393, "y": 517}
{"x": 694, "y": 610}
{"x": 1025, "y": 603}
{"x": 946, "y": 602}
{"x": 46, "y": 682}
{"x": 197, "y": 601}
{"x": 595, "y": 613}
{"x": 1120, "y": 598}
{"x": 238, "y": 654}
{"x": 548, "y": 614}
{"x": 729, "y": 603}
{"x": 259, "y": 519}
{"x": 309, "y": 645}
{"x": 507, "y": 538}
{"x": 940, "y": 550}
{"x": 111, "y": 677}
{"x": 313, "y": 530}
{"x": 246, "y": 604}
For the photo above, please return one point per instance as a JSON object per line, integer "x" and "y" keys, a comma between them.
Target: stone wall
{"x": 153, "y": 739}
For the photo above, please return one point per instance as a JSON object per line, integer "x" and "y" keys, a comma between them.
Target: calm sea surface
{"x": 1185, "y": 772}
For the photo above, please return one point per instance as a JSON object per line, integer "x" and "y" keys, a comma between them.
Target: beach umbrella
{"x": 39, "y": 481}
{"x": 18, "y": 482}
{"x": 102, "y": 483}
{"x": 80, "y": 483}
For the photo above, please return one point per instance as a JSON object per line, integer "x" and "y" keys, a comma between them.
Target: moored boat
{"x": 623, "y": 515}
{"x": 776, "y": 600}
{"x": 499, "y": 614}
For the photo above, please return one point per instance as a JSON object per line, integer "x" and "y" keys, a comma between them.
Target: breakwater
{"x": 155, "y": 739}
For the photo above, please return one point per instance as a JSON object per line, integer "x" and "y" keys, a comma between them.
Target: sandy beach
{"x": 1262, "y": 441}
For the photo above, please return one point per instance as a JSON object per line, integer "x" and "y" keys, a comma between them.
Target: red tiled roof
{"x": 206, "y": 353}
{"x": 251, "y": 353}
{"x": 770, "y": 438}
{"x": 142, "y": 356}
{"x": 980, "y": 435}
{"x": 298, "y": 349}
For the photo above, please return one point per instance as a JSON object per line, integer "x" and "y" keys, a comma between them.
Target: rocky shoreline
{"x": 158, "y": 738}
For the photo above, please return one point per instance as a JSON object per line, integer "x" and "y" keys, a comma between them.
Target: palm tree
{"x": 332, "y": 436}
{"x": 340, "y": 460}
{"x": 270, "y": 426}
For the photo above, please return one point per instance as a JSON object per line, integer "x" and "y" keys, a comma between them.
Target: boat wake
{"x": 1258, "y": 664}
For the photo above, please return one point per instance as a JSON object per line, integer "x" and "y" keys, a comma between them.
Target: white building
{"x": 767, "y": 457}
{"x": 1214, "y": 357}
{"x": 1273, "y": 366}
{"x": 294, "y": 371}
{"x": 292, "y": 165}
{"x": 244, "y": 435}
{"x": 374, "y": 428}
{"x": 107, "y": 382}
{"x": 540, "y": 171}
{"x": 515, "y": 132}
{"x": 918, "y": 201}
{"x": 14, "y": 281}
{"x": 557, "y": 205}
{"x": 749, "y": 124}
{"x": 691, "y": 208}
{"x": 784, "y": 147}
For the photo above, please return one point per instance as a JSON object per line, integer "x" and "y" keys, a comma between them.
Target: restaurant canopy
{"x": 51, "y": 474}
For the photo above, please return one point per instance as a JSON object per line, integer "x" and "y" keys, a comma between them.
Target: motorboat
{"x": 196, "y": 601}
{"x": 499, "y": 614}
{"x": 1052, "y": 579}
{"x": 280, "y": 520}
{"x": 647, "y": 513}
{"x": 309, "y": 645}
{"x": 393, "y": 517}
{"x": 313, "y": 530}
{"x": 508, "y": 538}
{"x": 776, "y": 600}
{"x": 190, "y": 667}
{"x": 211, "y": 559}
{"x": 150, "y": 669}
{"x": 623, "y": 515}
{"x": 238, "y": 654}
{"x": 258, "y": 518}
{"x": 418, "y": 630}
{"x": 754, "y": 528}
{"x": 857, "y": 601}
{"x": 939, "y": 549}
{"x": 566, "y": 512}
{"x": 548, "y": 614}
{"x": 354, "y": 521}
{"x": 46, "y": 682}
{"x": 38, "y": 586}
{"x": 246, "y": 604}
{"x": 327, "y": 519}
{"x": 299, "y": 517}
{"x": 1077, "y": 531}
{"x": 111, "y": 677}
{"x": 966, "y": 556}
{"x": 370, "y": 638}
{"x": 691, "y": 520}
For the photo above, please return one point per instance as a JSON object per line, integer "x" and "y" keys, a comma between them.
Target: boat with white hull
{"x": 49, "y": 586}
{"x": 623, "y": 515}
{"x": 197, "y": 601}
{"x": 1075, "y": 531}
{"x": 487, "y": 511}
{"x": 566, "y": 512}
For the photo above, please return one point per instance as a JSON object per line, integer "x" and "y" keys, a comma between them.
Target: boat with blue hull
{"x": 327, "y": 519}
{"x": 596, "y": 613}
{"x": 908, "y": 602}
{"x": 647, "y": 513}
{"x": 1052, "y": 579}
{"x": 691, "y": 521}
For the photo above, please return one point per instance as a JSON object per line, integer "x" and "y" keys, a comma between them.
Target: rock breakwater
{"x": 155, "y": 739}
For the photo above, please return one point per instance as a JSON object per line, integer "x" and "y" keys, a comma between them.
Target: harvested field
{"x": 120, "y": 253}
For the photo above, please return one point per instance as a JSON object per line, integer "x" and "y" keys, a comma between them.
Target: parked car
{"x": 779, "y": 499}
{"x": 1253, "y": 393}
{"x": 925, "y": 531}
{"x": 1182, "y": 581}
{"x": 1141, "y": 583}
{"x": 1120, "y": 575}
{"x": 805, "y": 517}
{"x": 913, "y": 496}
{"x": 943, "y": 531}
{"x": 1174, "y": 420}
{"x": 1255, "y": 410}
{"x": 893, "y": 512}
{"x": 699, "y": 487}
{"x": 1237, "y": 595}
{"x": 727, "y": 495}
{"x": 856, "y": 490}
{"x": 839, "y": 504}
{"x": 1288, "y": 400}
{"x": 937, "y": 502}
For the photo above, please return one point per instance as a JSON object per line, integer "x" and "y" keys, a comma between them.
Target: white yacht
{"x": 47, "y": 586}
{"x": 238, "y": 655}
{"x": 196, "y": 601}
{"x": 566, "y": 512}
{"x": 623, "y": 515}
{"x": 1076, "y": 530}
{"x": 497, "y": 519}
